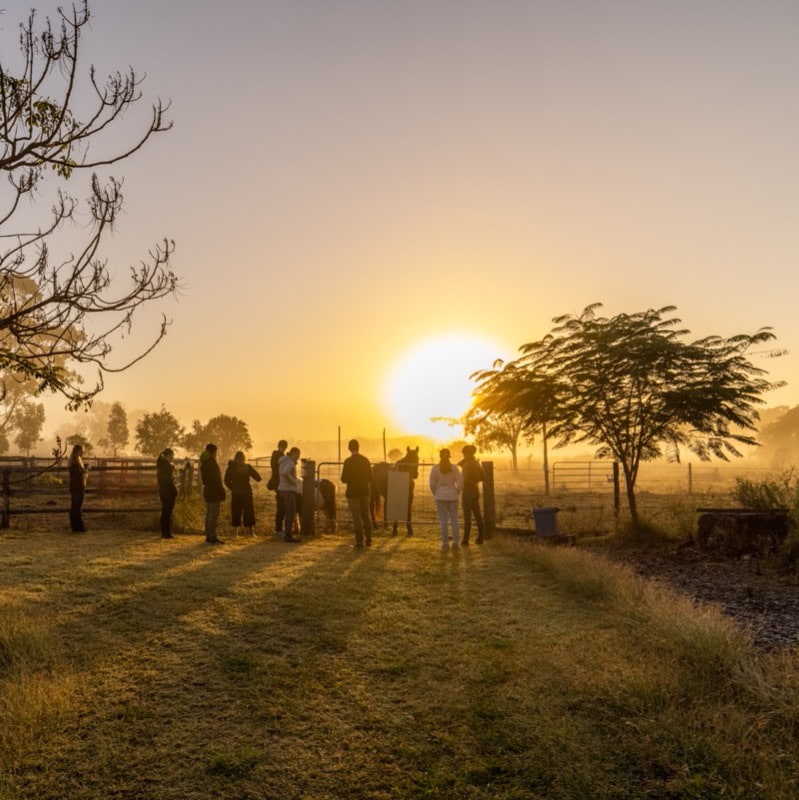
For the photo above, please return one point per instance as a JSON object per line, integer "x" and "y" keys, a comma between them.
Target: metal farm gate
{"x": 424, "y": 507}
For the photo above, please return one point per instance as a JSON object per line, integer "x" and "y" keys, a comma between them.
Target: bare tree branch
{"x": 57, "y": 312}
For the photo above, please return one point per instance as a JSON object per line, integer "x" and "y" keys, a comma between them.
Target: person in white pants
{"x": 446, "y": 484}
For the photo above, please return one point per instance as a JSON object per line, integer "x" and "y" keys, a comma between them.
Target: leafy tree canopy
{"x": 155, "y": 432}
{"x": 634, "y": 387}
{"x": 228, "y": 433}
{"x": 79, "y": 438}
{"x": 28, "y": 424}
{"x": 118, "y": 433}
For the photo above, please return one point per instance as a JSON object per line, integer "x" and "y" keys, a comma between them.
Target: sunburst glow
{"x": 432, "y": 380}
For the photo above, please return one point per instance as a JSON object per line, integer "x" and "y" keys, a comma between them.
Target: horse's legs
{"x": 408, "y": 525}
{"x": 373, "y": 503}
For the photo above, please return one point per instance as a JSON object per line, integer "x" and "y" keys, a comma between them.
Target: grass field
{"x": 134, "y": 667}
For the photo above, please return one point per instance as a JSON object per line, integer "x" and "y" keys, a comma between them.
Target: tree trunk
{"x": 631, "y": 501}
{"x": 546, "y": 457}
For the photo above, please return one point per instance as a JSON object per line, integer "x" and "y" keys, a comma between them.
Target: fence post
{"x": 5, "y": 516}
{"x": 186, "y": 478}
{"x": 308, "y": 512}
{"x": 616, "y": 489}
{"x": 690, "y": 479}
{"x": 489, "y": 500}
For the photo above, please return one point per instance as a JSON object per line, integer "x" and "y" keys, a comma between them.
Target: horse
{"x": 377, "y": 500}
{"x": 379, "y": 490}
{"x": 326, "y": 503}
{"x": 408, "y": 463}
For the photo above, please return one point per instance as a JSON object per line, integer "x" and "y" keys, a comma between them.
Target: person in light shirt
{"x": 446, "y": 484}
{"x": 290, "y": 489}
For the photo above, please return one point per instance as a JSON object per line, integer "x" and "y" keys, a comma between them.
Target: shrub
{"x": 189, "y": 514}
{"x": 780, "y": 491}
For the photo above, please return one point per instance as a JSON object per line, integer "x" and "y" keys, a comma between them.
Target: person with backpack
{"x": 242, "y": 508}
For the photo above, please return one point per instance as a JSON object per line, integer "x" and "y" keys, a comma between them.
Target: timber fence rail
{"x": 38, "y": 485}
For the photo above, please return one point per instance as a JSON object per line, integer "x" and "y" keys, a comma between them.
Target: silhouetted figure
{"x": 326, "y": 503}
{"x": 356, "y": 473}
{"x": 186, "y": 477}
{"x": 237, "y": 478}
{"x": 213, "y": 491}
{"x": 78, "y": 475}
{"x": 167, "y": 490}
{"x": 378, "y": 493}
{"x": 472, "y": 473}
{"x": 290, "y": 489}
{"x": 274, "y": 482}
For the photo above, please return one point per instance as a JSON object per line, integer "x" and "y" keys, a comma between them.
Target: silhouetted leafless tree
{"x": 62, "y": 310}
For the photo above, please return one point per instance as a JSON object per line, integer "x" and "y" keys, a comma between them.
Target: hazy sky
{"x": 348, "y": 179}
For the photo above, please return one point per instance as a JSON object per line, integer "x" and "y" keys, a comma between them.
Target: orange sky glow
{"x": 348, "y": 183}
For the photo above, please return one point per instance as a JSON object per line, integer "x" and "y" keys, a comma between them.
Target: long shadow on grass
{"x": 128, "y": 586}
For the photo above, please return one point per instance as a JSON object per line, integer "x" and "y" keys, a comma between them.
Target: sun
{"x": 431, "y": 379}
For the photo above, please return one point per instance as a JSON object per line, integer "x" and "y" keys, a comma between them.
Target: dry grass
{"x": 139, "y": 668}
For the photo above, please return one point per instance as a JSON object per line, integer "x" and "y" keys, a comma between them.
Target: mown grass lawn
{"x": 139, "y": 668}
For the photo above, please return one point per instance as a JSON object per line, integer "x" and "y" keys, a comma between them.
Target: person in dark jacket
{"x": 167, "y": 490}
{"x": 237, "y": 478}
{"x": 274, "y": 482}
{"x": 213, "y": 491}
{"x": 356, "y": 473}
{"x": 78, "y": 474}
{"x": 472, "y": 473}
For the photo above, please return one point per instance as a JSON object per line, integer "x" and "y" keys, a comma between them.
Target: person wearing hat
{"x": 470, "y": 499}
{"x": 446, "y": 484}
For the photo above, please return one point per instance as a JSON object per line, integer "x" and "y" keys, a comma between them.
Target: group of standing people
{"x": 237, "y": 479}
{"x": 451, "y": 485}
{"x": 287, "y": 486}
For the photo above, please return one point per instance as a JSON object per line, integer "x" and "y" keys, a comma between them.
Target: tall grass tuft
{"x": 705, "y": 645}
{"x": 24, "y": 644}
{"x": 189, "y": 513}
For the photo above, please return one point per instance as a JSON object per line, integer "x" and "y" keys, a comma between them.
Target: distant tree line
{"x": 155, "y": 431}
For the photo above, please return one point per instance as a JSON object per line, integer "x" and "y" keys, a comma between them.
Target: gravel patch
{"x": 748, "y": 589}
